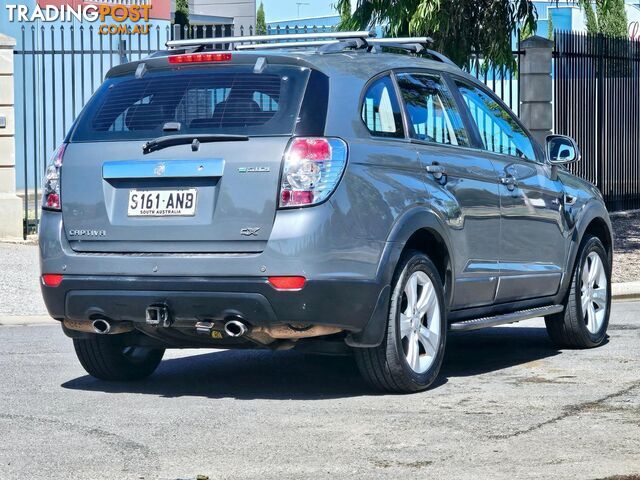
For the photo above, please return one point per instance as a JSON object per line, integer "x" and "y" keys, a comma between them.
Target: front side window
{"x": 381, "y": 110}
{"x": 500, "y": 132}
{"x": 431, "y": 110}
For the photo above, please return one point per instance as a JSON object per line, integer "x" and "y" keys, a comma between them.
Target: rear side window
{"x": 381, "y": 110}
{"x": 229, "y": 99}
{"x": 432, "y": 110}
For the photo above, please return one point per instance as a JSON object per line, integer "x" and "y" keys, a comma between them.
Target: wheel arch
{"x": 593, "y": 220}
{"x": 417, "y": 229}
{"x": 599, "y": 228}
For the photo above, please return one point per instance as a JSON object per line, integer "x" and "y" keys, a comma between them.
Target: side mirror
{"x": 562, "y": 150}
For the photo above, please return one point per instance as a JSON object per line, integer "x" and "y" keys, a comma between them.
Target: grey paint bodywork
{"x": 505, "y": 249}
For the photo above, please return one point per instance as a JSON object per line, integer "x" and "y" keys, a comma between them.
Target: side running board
{"x": 477, "y": 323}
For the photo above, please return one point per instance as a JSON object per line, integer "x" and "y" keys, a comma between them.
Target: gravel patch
{"x": 19, "y": 274}
{"x": 626, "y": 231}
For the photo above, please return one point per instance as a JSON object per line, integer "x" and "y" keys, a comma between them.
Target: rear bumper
{"x": 348, "y": 305}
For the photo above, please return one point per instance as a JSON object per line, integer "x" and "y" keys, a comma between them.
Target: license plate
{"x": 162, "y": 203}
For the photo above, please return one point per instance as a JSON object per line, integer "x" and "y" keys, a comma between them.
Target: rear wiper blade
{"x": 172, "y": 140}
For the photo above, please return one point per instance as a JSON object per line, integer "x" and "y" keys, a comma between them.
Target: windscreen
{"x": 218, "y": 100}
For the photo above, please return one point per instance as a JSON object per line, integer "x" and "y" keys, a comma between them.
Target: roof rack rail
{"x": 327, "y": 42}
{"x": 278, "y": 45}
{"x": 440, "y": 57}
{"x": 292, "y": 37}
{"x": 367, "y": 41}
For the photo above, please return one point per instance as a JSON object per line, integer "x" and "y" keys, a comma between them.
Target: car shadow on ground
{"x": 248, "y": 375}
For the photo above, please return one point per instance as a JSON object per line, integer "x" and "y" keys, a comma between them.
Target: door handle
{"x": 436, "y": 170}
{"x": 509, "y": 181}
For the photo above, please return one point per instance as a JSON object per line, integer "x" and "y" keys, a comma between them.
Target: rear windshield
{"x": 222, "y": 99}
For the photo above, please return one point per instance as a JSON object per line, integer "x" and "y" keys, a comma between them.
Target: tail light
{"x": 51, "y": 189}
{"x": 312, "y": 170}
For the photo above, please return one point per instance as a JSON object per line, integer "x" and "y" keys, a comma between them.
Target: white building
{"x": 567, "y": 16}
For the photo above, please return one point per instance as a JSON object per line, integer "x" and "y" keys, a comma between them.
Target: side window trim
{"x": 487, "y": 91}
{"x": 406, "y": 125}
{"x": 410, "y": 132}
{"x": 465, "y": 113}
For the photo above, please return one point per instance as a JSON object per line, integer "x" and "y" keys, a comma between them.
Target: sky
{"x": 288, "y": 9}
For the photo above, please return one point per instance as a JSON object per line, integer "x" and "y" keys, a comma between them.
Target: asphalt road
{"x": 508, "y": 405}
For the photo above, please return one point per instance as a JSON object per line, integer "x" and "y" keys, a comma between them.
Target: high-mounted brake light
{"x": 290, "y": 284}
{"x": 312, "y": 169}
{"x": 52, "y": 279}
{"x": 51, "y": 198}
{"x": 200, "y": 58}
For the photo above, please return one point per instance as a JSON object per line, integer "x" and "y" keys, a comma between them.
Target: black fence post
{"x": 599, "y": 114}
{"x": 122, "y": 50}
{"x": 177, "y": 32}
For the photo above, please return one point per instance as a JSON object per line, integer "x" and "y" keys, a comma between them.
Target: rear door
{"x": 462, "y": 184}
{"x": 532, "y": 242}
{"x": 201, "y": 197}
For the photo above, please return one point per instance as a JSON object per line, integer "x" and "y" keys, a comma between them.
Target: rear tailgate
{"x": 212, "y": 197}
{"x": 235, "y": 185}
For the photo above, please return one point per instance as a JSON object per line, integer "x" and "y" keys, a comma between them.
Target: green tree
{"x": 592, "y": 21}
{"x": 608, "y": 18}
{"x": 344, "y": 9}
{"x": 261, "y": 24}
{"x": 458, "y": 27}
{"x": 550, "y": 28}
{"x": 181, "y": 16}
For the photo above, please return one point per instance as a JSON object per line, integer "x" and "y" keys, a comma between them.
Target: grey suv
{"x": 324, "y": 196}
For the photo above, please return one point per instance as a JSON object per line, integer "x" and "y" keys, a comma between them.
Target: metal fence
{"x": 502, "y": 80}
{"x": 597, "y": 90}
{"x": 287, "y": 29}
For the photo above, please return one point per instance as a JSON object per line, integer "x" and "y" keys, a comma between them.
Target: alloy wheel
{"x": 593, "y": 292}
{"x": 420, "y": 322}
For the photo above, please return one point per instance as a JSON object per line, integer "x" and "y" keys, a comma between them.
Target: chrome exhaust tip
{"x": 101, "y": 326}
{"x": 235, "y": 328}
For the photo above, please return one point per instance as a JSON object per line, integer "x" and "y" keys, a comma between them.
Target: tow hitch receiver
{"x": 158, "y": 315}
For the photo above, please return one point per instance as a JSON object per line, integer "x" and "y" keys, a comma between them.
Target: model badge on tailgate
{"x": 87, "y": 233}
{"x": 250, "y": 232}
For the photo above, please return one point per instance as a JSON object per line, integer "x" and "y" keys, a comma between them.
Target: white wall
{"x": 243, "y": 11}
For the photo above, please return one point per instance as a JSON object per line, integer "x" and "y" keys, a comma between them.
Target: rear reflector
{"x": 287, "y": 283}
{"x": 52, "y": 279}
{"x": 200, "y": 58}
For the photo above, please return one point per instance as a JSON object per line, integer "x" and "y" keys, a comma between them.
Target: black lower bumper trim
{"x": 341, "y": 303}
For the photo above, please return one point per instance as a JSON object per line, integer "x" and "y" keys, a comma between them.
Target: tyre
{"x": 411, "y": 353}
{"x": 585, "y": 319}
{"x": 104, "y": 357}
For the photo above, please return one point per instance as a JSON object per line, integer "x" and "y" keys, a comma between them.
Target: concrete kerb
{"x": 25, "y": 320}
